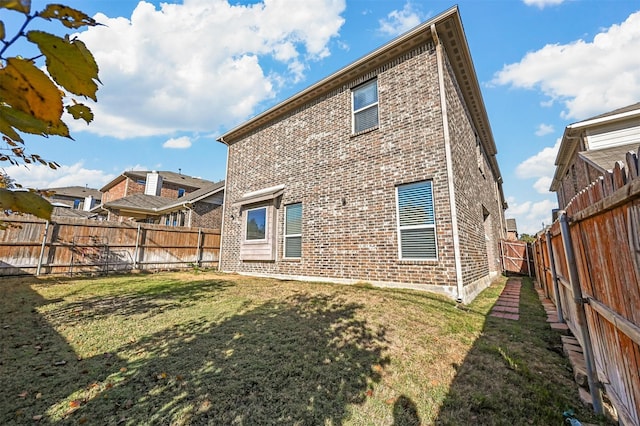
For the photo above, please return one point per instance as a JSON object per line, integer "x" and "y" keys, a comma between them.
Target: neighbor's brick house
{"x": 383, "y": 172}
{"x": 591, "y": 147}
{"x": 163, "y": 197}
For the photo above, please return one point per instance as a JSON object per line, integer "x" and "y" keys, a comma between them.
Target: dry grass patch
{"x": 208, "y": 348}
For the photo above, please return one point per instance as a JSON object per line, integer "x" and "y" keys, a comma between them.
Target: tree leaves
{"x": 70, "y": 18}
{"x": 80, "y": 111}
{"x": 69, "y": 62}
{"x": 31, "y": 101}
{"x": 25, "y": 202}
{"x": 29, "y": 124}
{"x": 23, "y": 6}
{"x": 24, "y": 87}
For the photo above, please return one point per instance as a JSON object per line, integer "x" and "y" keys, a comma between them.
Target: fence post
{"x": 594, "y": 385}
{"x": 528, "y": 259}
{"x": 135, "y": 251}
{"x": 199, "y": 249}
{"x": 44, "y": 242}
{"x": 554, "y": 277}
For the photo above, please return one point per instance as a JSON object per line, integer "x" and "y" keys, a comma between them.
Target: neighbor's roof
{"x": 59, "y": 211}
{"x": 511, "y": 225}
{"x": 167, "y": 177}
{"x": 574, "y": 132}
{"x": 75, "y": 191}
{"x": 449, "y": 31}
{"x": 605, "y": 159}
{"x": 155, "y": 204}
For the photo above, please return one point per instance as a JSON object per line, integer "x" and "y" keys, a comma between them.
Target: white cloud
{"x": 540, "y": 165}
{"x": 541, "y": 4}
{"x": 400, "y": 21}
{"x": 530, "y": 216}
{"x": 40, "y": 176}
{"x": 544, "y": 129}
{"x": 204, "y": 64}
{"x": 574, "y": 74}
{"x": 182, "y": 142}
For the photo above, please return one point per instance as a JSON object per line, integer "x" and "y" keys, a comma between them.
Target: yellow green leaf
{"x": 80, "y": 111}
{"x": 29, "y": 124}
{"x": 23, "y": 6}
{"x": 24, "y": 87}
{"x": 70, "y": 63}
{"x": 7, "y": 130}
{"x": 70, "y": 18}
{"x": 25, "y": 202}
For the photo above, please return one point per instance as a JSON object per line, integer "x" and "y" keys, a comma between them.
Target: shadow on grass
{"x": 38, "y": 368}
{"x": 515, "y": 373}
{"x": 144, "y": 301}
{"x": 301, "y": 360}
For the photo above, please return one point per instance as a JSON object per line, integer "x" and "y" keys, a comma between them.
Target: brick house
{"x": 591, "y": 147}
{"x": 512, "y": 230}
{"x": 383, "y": 172}
{"x": 74, "y": 197}
{"x": 164, "y": 198}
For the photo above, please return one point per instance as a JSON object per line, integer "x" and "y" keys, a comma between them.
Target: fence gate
{"x": 516, "y": 257}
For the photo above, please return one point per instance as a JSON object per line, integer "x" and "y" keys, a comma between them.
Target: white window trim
{"x": 354, "y": 111}
{"x": 399, "y": 229}
{"x": 286, "y": 236}
{"x": 266, "y": 226}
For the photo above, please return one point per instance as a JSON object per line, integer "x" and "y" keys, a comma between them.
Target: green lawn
{"x": 209, "y": 348}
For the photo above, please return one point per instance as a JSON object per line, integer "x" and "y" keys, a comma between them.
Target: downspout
{"x": 224, "y": 206}
{"x": 447, "y": 147}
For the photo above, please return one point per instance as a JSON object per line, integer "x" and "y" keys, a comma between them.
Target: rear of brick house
{"x": 383, "y": 172}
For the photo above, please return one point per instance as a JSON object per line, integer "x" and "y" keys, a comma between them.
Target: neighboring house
{"x": 383, "y": 172}
{"x": 512, "y": 230}
{"x": 591, "y": 147}
{"x": 164, "y": 198}
{"x": 74, "y": 197}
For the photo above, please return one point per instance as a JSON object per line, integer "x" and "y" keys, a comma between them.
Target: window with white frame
{"x": 256, "y": 224}
{"x": 416, "y": 221}
{"x": 293, "y": 231}
{"x": 365, "y": 106}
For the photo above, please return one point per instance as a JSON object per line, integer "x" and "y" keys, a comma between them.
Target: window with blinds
{"x": 293, "y": 231}
{"x": 416, "y": 221}
{"x": 365, "y": 106}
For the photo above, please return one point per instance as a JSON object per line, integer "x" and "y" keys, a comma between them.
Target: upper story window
{"x": 256, "y": 224}
{"x": 180, "y": 192}
{"x": 365, "y": 106}
{"x": 416, "y": 221}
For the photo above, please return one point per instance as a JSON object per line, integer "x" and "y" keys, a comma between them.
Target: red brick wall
{"x": 347, "y": 183}
{"x": 579, "y": 175}
{"x": 206, "y": 215}
{"x": 115, "y": 192}
{"x": 479, "y": 210}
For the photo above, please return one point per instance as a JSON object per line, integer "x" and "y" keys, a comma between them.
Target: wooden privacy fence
{"x": 588, "y": 263}
{"x": 69, "y": 246}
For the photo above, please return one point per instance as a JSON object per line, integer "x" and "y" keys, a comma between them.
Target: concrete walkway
{"x": 508, "y": 304}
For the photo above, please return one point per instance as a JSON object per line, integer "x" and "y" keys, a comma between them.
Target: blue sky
{"x": 178, "y": 74}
